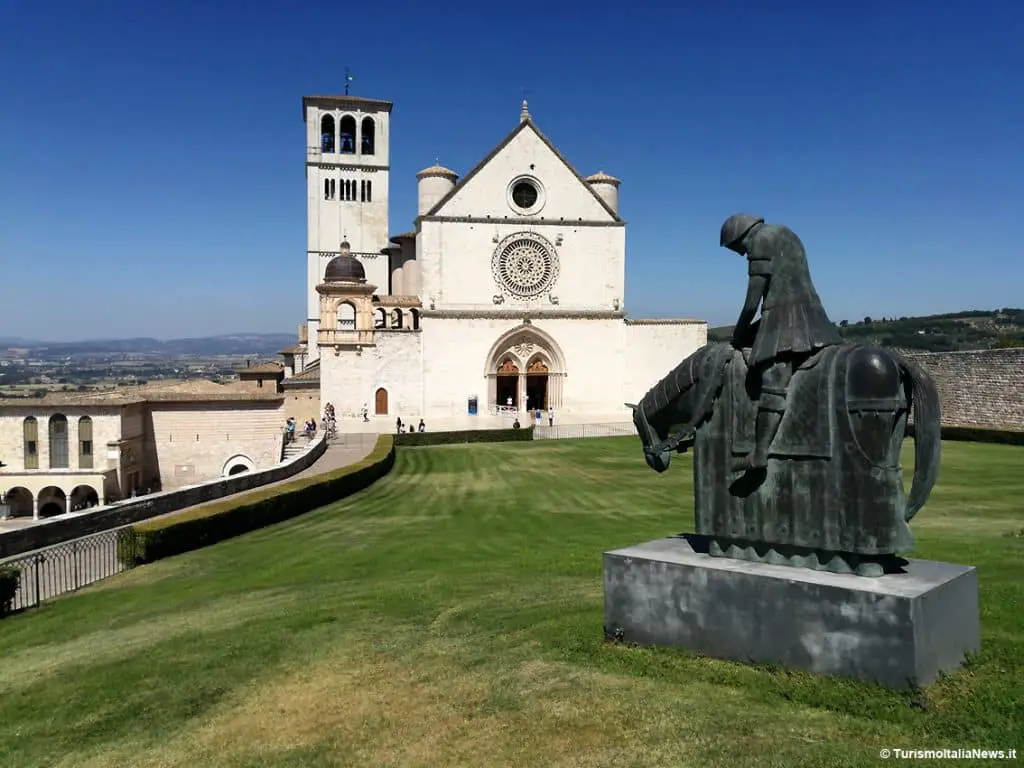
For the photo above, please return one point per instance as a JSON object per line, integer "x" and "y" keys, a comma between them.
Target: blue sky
{"x": 151, "y": 154}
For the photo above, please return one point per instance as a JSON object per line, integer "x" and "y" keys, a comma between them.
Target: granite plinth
{"x": 900, "y": 630}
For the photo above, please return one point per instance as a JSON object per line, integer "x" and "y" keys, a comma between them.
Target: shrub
{"x": 414, "y": 439}
{"x": 211, "y": 523}
{"x": 977, "y": 435}
{"x": 10, "y": 577}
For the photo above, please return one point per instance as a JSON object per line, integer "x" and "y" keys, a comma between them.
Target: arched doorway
{"x": 380, "y": 402}
{"x": 527, "y": 364}
{"x": 52, "y": 501}
{"x": 236, "y": 465}
{"x": 83, "y": 497}
{"x": 537, "y": 384}
{"x": 507, "y": 392}
{"x": 19, "y": 501}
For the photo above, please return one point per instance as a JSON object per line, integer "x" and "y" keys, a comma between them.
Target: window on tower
{"x": 369, "y": 191}
{"x": 347, "y": 135}
{"x": 327, "y": 134}
{"x": 362, "y": 190}
{"x": 369, "y": 136}
{"x": 346, "y": 317}
{"x": 330, "y": 188}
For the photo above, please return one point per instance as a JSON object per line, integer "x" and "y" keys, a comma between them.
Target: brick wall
{"x": 983, "y": 388}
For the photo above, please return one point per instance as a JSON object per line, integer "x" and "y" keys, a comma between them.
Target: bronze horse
{"x": 832, "y": 495}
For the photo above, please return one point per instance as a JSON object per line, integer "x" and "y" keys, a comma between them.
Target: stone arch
{"x": 52, "y": 501}
{"x": 346, "y": 316}
{"x": 83, "y": 497}
{"x": 397, "y": 318}
{"x": 347, "y": 135}
{"x": 525, "y": 334}
{"x": 368, "y": 136}
{"x": 237, "y": 464}
{"x": 380, "y": 318}
{"x": 414, "y": 315}
{"x": 327, "y": 138}
{"x": 19, "y": 501}
{"x": 524, "y": 346}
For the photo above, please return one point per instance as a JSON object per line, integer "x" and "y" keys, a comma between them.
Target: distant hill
{"x": 956, "y": 331}
{"x": 234, "y": 344}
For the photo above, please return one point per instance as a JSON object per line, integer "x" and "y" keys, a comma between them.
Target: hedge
{"x": 10, "y": 577}
{"x": 977, "y": 435}
{"x": 414, "y": 439}
{"x": 211, "y": 523}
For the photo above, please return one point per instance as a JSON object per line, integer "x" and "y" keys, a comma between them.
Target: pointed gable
{"x": 483, "y": 192}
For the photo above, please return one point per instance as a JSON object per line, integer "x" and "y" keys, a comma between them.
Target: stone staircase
{"x": 295, "y": 448}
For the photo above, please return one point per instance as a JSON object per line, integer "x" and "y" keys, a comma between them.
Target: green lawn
{"x": 452, "y": 616}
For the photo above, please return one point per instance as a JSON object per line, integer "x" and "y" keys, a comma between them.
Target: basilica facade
{"x": 506, "y": 296}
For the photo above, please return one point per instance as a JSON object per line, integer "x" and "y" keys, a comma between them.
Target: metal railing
{"x": 67, "y": 567}
{"x": 582, "y": 431}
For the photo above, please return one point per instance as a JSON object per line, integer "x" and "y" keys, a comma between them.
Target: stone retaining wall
{"x": 982, "y": 388}
{"x": 155, "y": 504}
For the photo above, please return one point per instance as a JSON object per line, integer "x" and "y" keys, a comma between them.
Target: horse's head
{"x": 657, "y": 459}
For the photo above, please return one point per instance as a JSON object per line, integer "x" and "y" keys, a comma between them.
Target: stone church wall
{"x": 983, "y": 388}
{"x": 456, "y": 264}
{"x": 192, "y": 441}
{"x": 594, "y": 357}
{"x": 597, "y": 353}
{"x": 396, "y": 365}
{"x": 655, "y": 347}
{"x": 350, "y": 380}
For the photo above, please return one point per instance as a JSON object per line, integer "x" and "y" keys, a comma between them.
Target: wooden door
{"x": 380, "y": 401}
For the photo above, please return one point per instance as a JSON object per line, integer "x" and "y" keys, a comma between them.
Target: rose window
{"x": 525, "y": 265}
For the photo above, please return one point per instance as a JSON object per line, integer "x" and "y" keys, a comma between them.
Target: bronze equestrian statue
{"x": 796, "y": 436}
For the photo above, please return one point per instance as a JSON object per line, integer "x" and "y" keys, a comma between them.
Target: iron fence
{"x": 582, "y": 431}
{"x": 67, "y": 567}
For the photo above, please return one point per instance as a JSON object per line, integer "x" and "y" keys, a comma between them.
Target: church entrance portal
{"x": 525, "y": 369}
{"x": 508, "y": 384}
{"x": 537, "y": 385}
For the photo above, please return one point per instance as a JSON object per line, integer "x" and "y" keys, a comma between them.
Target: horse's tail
{"x": 927, "y": 436}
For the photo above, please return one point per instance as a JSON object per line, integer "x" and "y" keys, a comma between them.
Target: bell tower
{"x": 347, "y": 184}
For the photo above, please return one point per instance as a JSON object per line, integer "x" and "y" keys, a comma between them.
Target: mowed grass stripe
{"x": 451, "y": 615}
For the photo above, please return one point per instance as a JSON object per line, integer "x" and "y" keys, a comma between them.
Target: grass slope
{"x": 451, "y": 615}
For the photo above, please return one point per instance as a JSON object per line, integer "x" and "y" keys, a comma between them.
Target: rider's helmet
{"x": 736, "y": 228}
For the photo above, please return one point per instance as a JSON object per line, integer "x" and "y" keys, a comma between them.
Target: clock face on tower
{"x": 525, "y": 265}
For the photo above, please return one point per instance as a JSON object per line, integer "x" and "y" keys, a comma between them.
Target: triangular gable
{"x": 527, "y": 124}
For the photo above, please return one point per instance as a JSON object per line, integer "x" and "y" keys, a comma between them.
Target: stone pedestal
{"x": 899, "y": 630}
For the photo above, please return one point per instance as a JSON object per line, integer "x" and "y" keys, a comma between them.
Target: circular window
{"x": 524, "y": 194}
{"x": 525, "y": 265}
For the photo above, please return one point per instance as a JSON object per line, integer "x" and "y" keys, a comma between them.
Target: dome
{"x": 344, "y": 269}
{"x": 602, "y": 178}
{"x": 437, "y": 170}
